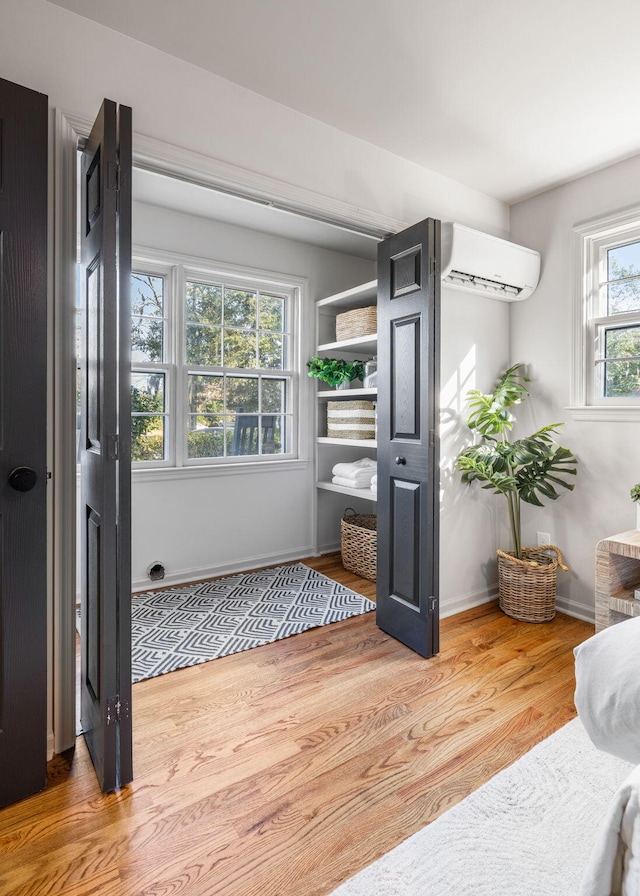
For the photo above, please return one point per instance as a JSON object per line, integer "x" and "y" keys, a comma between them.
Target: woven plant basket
{"x": 359, "y": 543}
{"x": 528, "y": 586}
{"x": 356, "y": 323}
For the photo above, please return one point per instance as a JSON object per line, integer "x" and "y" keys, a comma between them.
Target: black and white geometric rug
{"x": 191, "y": 625}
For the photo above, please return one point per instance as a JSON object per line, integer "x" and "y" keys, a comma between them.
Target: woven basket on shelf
{"x": 528, "y": 586}
{"x": 356, "y": 323}
{"x": 358, "y": 543}
{"x": 351, "y": 420}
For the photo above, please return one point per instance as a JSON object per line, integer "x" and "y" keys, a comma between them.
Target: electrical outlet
{"x": 543, "y": 538}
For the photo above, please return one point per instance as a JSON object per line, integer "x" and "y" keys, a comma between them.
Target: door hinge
{"x": 434, "y": 267}
{"x": 117, "y": 709}
{"x": 432, "y": 605}
{"x": 113, "y": 447}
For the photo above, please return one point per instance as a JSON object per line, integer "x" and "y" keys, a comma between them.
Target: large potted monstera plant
{"x": 527, "y": 469}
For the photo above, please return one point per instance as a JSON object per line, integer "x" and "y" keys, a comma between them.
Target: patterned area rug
{"x": 190, "y": 625}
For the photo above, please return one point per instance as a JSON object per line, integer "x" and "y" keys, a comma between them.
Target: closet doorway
{"x": 168, "y": 209}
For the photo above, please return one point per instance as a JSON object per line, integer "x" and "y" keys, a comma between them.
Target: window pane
{"x": 147, "y": 437}
{"x": 623, "y": 296}
{"x": 147, "y": 295}
{"x": 204, "y": 303}
{"x": 622, "y": 342}
{"x": 147, "y": 427}
{"x": 272, "y": 434}
{"x": 206, "y": 438}
{"x": 271, "y": 349}
{"x": 147, "y": 392}
{"x": 240, "y": 348}
{"x": 242, "y": 393}
{"x": 273, "y": 396}
{"x": 204, "y": 345}
{"x": 255, "y": 434}
{"x": 239, "y": 308}
{"x": 623, "y": 262}
{"x": 272, "y": 313}
{"x": 205, "y": 394}
{"x": 147, "y": 338}
{"x": 622, "y": 379}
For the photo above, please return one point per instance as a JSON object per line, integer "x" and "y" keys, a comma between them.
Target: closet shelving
{"x": 331, "y": 451}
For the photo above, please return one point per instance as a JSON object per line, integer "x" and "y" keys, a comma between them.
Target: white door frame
{"x": 184, "y": 164}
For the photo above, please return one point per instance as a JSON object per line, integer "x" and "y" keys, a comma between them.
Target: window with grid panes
{"x": 613, "y": 302}
{"x": 237, "y": 348}
{"x": 222, "y": 390}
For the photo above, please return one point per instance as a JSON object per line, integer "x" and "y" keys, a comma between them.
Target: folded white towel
{"x": 350, "y": 483}
{"x": 358, "y": 467}
{"x": 374, "y": 480}
{"x": 360, "y": 481}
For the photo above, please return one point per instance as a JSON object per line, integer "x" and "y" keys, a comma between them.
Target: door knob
{"x": 401, "y": 461}
{"x": 23, "y": 479}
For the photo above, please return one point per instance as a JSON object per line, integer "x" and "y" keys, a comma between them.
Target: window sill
{"x": 612, "y": 414}
{"x": 163, "y": 474}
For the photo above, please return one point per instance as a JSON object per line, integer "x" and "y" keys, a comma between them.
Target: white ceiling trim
{"x": 155, "y": 155}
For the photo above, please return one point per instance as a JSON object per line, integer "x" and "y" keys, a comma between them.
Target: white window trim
{"x": 182, "y": 266}
{"x": 583, "y": 407}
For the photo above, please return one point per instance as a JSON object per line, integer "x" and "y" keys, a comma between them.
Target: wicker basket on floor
{"x": 356, "y": 323}
{"x": 527, "y": 586}
{"x": 359, "y": 543}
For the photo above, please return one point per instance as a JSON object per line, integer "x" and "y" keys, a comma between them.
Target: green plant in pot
{"x": 335, "y": 371}
{"x": 528, "y": 469}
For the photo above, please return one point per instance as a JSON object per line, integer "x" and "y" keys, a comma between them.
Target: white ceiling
{"x": 507, "y": 96}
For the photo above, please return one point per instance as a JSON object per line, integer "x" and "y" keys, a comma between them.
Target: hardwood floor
{"x": 285, "y": 769}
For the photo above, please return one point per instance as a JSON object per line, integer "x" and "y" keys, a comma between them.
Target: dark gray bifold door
{"x": 24, "y": 116}
{"x": 105, "y": 223}
{"x": 408, "y": 474}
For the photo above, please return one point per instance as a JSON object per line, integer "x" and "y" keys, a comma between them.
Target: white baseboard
{"x": 328, "y": 548}
{"x": 50, "y": 745}
{"x": 454, "y": 605}
{"x": 573, "y": 608}
{"x": 183, "y": 576}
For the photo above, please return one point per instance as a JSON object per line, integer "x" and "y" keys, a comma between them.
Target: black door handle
{"x": 23, "y": 479}
{"x": 401, "y": 461}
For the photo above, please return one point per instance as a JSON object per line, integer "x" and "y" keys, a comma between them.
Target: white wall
{"x": 542, "y": 337}
{"x": 77, "y": 63}
{"x": 475, "y": 348}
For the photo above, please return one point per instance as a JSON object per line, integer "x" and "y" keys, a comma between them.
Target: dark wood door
{"x": 408, "y": 473}
{"x": 23, "y": 435}
{"x": 105, "y": 441}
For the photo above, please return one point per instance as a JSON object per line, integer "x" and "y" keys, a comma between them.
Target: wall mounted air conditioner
{"x": 477, "y": 262}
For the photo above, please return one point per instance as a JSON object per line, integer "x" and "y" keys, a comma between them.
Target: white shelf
{"x": 359, "y": 443}
{"x": 347, "y": 393}
{"x": 365, "y": 493}
{"x": 360, "y": 343}
{"x": 352, "y": 298}
{"x": 328, "y": 451}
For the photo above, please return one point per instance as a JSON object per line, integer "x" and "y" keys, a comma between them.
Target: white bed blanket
{"x": 614, "y": 868}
